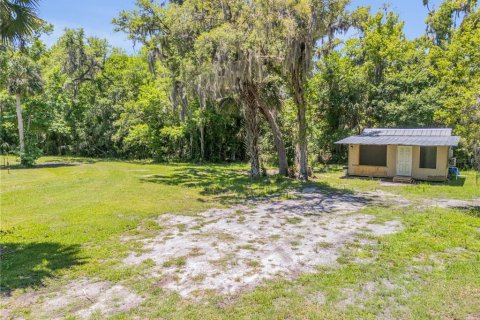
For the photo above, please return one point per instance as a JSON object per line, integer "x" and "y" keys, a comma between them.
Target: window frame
{"x": 422, "y": 164}
{"x": 382, "y": 165}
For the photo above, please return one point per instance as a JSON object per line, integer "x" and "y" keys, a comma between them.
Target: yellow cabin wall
{"x": 440, "y": 173}
{"x": 355, "y": 169}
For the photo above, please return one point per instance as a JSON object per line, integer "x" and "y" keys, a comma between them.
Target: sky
{"x": 95, "y": 17}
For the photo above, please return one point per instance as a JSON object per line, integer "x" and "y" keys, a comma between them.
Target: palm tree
{"x": 23, "y": 78}
{"x": 18, "y": 18}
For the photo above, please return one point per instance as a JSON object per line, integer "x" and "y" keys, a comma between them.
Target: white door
{"x": 404, "y": 161}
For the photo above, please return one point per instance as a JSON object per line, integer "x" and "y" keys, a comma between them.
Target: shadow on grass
{"x": 363, "y": 178}
{"x": 458, "y": 182}
{"x": 40, "y": 166}
{"x": 54, "y": 163}
{"x": 228, "y": 185}
{"x": 473, "y": 211}
{"x": 27, "y": 265}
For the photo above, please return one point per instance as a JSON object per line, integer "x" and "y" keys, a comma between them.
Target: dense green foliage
{"x": 210, "y": 85}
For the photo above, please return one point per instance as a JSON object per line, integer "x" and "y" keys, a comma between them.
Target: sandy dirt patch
{"x": 9, "y": 303}
{"x": 82, "y": 299}
{"x": 355, "y": 296}
{"x": 452, "y": 203}
{"x": 227, "y": 250}
{"x": 88, "y": 298}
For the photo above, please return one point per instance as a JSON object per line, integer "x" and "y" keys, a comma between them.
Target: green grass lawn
{"x": 467, "y": 186}
{"x": 64, "y": 222}
{"x": 68, "y": 218}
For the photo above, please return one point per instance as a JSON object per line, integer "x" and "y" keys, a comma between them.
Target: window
{"x": 371, "y": 155}
{"x": 428, "y": 157}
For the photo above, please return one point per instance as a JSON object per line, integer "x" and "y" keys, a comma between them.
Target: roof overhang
{"x": 450, "y": 141}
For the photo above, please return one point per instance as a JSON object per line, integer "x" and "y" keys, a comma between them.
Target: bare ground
{"x": 452, "y": 203}
{"x": 228, "y": 250}
{"x": 83, "y": 299}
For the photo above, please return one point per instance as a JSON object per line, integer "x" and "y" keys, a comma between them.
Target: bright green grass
{"x": 66, "y": 222}
{"x": 467, "y": 186}
{"x": 71, "y": 217}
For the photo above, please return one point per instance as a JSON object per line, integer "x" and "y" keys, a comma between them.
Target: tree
{"x": 297, "y": 27}
{"x": 376, "y": 79}
{"x": 151, "y": 25}
{"x": 18, "y": 19}
{"x": 457, "y": 67}
{"x": 270, "y": 105}
{"x": 441, "y": 22}
{"x": 234, "y": 57}
{"x": 77, "y": 85}
{"x": 210, "y": 50}
{"x": 23, "y": 79}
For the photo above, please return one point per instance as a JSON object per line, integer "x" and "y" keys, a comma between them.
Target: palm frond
{"x": 18, "y": 19}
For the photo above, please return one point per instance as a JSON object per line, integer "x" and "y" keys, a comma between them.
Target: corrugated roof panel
{"x": 415, "y": 137}
{"x": 432, "y": 132}
{"x": 402, "y": 140}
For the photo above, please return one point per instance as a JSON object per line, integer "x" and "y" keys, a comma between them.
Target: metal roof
{"x": 444, "y": 132}
{"x": 411, "y": 137}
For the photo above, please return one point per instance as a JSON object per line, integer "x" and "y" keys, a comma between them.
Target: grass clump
{"x": 253, "y": 263}
{"x": 295, "y": 220}
{"x": 247, "y": 247}
{"x": 322, "y": 245}
{"x": 175, "y": 262}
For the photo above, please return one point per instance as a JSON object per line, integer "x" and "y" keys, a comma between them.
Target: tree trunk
{"x": 202, "y": 142}
{"x": 250, "y": 109}
{"x": 191, "y": 144}
{"x": 302, "y": 143}
{"x": 184, "y": 102}
{"x": 272, "y": 118}
{"x": 252, "y": 137}
{"x": 20, "y": 124}
{"x": 29, "y": 120}
{"x": 476, "y": 157}
{"x": 298, "y": 73}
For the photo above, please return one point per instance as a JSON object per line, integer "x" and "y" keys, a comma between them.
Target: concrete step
{"x": 403, "y": 179}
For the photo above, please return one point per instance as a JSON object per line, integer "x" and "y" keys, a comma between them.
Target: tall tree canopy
{"x": 271, "y": 81}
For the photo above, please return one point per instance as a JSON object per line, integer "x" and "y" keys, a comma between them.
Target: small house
{"x": 421, "y": 154}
